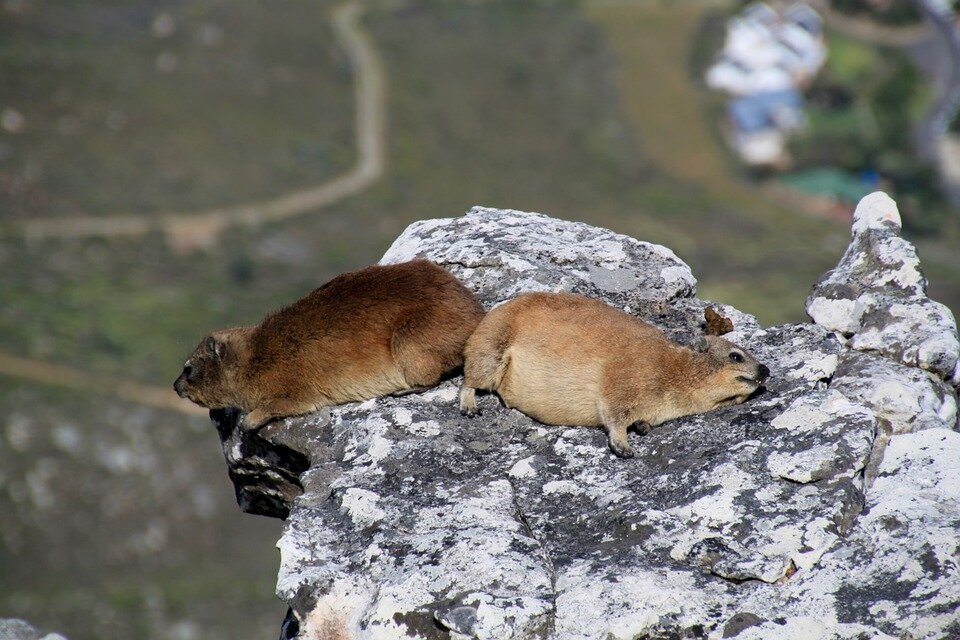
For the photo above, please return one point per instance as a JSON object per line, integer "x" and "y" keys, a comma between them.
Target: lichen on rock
{"x": 877, "y": 294}
{"x": 406, "y": 519}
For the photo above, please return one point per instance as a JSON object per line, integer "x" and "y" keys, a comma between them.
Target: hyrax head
{"x": 733, "y": 374}
{"x": 207, "y": 376}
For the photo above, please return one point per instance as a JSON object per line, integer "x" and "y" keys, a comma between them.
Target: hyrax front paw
{"x": 468, "y": 401}
{"x": 254, "y": 420}
{"x": 621, "y": 449}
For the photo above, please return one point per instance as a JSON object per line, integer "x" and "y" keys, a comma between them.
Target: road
{"x": 942, "y": 59}
{"x": 201, "y": 229}
{"x": 61, "y": 376}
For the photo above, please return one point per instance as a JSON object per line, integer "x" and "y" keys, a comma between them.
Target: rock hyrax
{"x": 377, "y": 331}
{"x": 568, "y": 360}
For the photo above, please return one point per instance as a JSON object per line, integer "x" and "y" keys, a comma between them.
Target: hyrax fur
{"x": 377, "y": 331}
{"x": 564, "y": 359}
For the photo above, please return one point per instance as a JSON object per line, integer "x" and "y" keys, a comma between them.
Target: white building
{"x": 766, "y": 51}
{"x": 767, "y": 57}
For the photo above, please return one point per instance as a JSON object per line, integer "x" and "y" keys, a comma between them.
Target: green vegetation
{"x": 140, "y": 108}
{"x": 892, "y": 12}
{"x": 828, "y": 182}
{"x": 862, "y": 111}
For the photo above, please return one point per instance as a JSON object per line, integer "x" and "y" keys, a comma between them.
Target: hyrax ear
{"x": 701, "y": 344}
{"x": 717, "y": 324}
{"x": 217, "y": 348}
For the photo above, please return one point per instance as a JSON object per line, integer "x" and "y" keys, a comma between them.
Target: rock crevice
{"x": 824, "y": 506}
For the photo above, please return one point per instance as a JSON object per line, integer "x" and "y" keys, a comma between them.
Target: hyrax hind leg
{"x": 484, "y": 363}
{"x": 616, "y": 420}
{"x": 426, "y": 346}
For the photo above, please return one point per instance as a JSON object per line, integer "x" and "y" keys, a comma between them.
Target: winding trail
{"x": 61, "y": 376}
{"x": 870, "y": 31}
{"x": 201, "y": 229}
{"x": 946, "y": 78}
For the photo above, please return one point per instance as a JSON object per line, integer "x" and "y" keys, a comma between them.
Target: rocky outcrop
{"x": 828, "y": 506}
{"x": 16, "y": 629}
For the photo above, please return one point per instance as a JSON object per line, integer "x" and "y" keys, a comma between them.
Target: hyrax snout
{"x": 377, "y": 331}
{"x": 569, "y": 360}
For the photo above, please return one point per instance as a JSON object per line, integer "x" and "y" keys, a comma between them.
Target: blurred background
{"x": 169, "y": 167}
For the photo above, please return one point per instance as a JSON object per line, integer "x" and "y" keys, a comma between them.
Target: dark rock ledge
{"x": 828, "y": 507}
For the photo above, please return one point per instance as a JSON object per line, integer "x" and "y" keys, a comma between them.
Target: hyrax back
{"x": 568, "y": 360}
{"x": 377, "y": 331}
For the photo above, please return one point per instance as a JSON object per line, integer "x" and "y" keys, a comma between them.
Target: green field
{"x": 255, "y": 98}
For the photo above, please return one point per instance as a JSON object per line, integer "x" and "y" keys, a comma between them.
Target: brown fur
{"x": 377, "y": 331}
{"x": 568, "y": 360}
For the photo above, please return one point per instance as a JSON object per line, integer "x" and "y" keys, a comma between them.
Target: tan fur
{"x": 568, "y": 360}
{"x": 377, "y": 331}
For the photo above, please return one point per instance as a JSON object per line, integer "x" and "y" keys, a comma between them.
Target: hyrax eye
{"x": 187, "y": 371}
{"x": 736, "y": 357}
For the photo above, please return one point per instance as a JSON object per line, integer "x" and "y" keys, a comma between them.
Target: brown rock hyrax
{"x": 568, "y": 360}
{"x": 377, "y": 331}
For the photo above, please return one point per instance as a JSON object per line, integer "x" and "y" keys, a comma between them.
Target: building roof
{"x": 803, "y": 15}
{"x": 830, "y": 182}
{"x": 770, "y": 110}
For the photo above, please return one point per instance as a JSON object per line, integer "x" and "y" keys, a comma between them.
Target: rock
{"x": 536, "y": 253}
{"x": 877, "y": 294}
{"x": 15, "y": 629}
{"x": 406, "y": 519}
{"x": 898, "y": 566}
{"x": 904, "y": 399}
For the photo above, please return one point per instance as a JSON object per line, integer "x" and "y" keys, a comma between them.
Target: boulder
{"x": 16, "y": 629}
{"x": 877, "y": 294}
{"x": 824, "y": 507}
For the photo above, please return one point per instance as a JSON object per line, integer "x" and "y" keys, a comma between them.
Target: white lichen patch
{"x": 840, "y": 315}
{"x": 568, "y": 487}
{"x": 817, "y": 367}
{"x": 625, "y": 604}
{"x": 362, "y": 507}
{"x": 813, "y": 411}
{"x": 402, "y": 416}
{"x": 802, "y": 466}
{"x": 425, "y": 429}
{"x": 678, "y": 277}
{"x": 523, "y": 468}
{"x": 718, "y": 508}
{"x": 445, "y": 393}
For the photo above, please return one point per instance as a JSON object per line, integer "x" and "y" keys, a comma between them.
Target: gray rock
{"x": 16, "y": 629}
{"x": 405, "y": 519}
{"x": 904, "y": 399}
{"x": 878, "y": 295}
{"x": 504, "y": 253}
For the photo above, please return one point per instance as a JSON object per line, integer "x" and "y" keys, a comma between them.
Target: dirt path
{"x": 871, "y": 31}
{"x": 60, "y": 376}
{"x": 201, "y": 229}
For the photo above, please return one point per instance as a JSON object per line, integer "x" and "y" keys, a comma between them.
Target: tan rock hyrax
{"x": 377, "y": 331}
{"x": 564, "y": 359}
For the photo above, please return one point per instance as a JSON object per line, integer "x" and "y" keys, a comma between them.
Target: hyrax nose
{"x": 764, "y": 372}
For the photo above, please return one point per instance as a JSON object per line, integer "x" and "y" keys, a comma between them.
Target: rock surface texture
{"x": 16, "y": 629}
{"x": 826, "y": 507}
